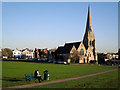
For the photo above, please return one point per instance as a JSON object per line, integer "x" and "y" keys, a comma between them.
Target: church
{"x": 82, "y": 52}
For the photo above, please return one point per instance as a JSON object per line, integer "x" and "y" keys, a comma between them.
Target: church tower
{"x": 89, "y": 39}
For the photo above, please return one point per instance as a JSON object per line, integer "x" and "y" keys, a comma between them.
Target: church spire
{"x": 89, "y": 39}
{"x": 89, "y": 24}
{"x": 89, "y": 35}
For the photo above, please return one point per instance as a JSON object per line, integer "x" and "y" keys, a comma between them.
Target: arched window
{"x": 89, "y": 54}
{"x": 90, "y": 43}
{"x": 81, "y": 52}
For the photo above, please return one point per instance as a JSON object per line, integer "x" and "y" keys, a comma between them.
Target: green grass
{"x": 107, "y": 80}
{"x": 16, "y": 70}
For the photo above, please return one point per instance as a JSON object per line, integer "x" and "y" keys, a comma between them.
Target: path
{"x": 57, "y": 81}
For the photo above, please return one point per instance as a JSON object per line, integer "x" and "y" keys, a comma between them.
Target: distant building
{"x": 102, "y": 57}
{"x": 52, "y": 54}
{"x": 85, "y": 50}
{"x": 5, "y": 57}
{"x": 115, "y": 56}
{"x": 41, "y": 53}
{"x": 28, "y": 53}
{"x": 17, "y": 53}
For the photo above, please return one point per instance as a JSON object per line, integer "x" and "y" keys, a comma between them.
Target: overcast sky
{"x": 49, "y": 25}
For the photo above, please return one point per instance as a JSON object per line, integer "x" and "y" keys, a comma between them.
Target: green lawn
{"x": 107, "y": 80}
{"x": 13, "y": 72}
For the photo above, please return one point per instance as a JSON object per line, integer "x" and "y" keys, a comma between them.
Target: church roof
{"x": 76, "y": 44}
{"x": 67, "y": 48}
{"x": 60, "y": 50}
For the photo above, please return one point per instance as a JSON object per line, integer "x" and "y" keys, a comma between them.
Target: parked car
{"x": 50, "y": 61}
{"x": 34, "y": 59}
{"x": 65, "y": 63}
{"x": 54, "y": 61}
{"x": 59, "y": 62}
{"x": 39, "y": 59}
{"x": 119, "y": 66}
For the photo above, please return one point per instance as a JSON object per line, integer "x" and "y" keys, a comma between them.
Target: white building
{"x": 115, "y": 56}
{"x": 28, "y": 53}
{"x": 17, "y": 53}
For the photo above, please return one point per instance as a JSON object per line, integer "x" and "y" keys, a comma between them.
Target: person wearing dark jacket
{"x": 38, "y": 76}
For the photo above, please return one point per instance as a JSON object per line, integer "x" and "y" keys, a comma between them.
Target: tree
{"x": 101, "y": 58}
{"x": 74, "y": 56}
{"x": 93, "y": 61}
{"x": 7, "y": 52}
{"x": 23, "y": 56}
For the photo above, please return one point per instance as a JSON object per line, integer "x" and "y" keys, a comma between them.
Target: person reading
{"x": 38, "y": 76}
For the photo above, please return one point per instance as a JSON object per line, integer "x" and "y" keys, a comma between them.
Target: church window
{"x": 90, "y": 43}
{"x": 81, "y": 52}
{"x": 89, "y": 32}
{"x": 89, "y": 54}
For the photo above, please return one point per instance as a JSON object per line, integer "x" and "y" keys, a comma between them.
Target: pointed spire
{"x": 89, "y": 24}
{"x": 89, "y": 34}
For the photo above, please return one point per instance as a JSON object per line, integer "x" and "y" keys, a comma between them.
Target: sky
{"x": 119, "y": 25}
{"x": 52, "y": 24}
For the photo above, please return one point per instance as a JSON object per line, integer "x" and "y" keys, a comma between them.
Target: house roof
{"x": 27, "y": 50}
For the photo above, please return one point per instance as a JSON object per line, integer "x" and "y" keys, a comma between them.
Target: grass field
{"x": 107, "y": 80}
{"x": 13, "y": 72}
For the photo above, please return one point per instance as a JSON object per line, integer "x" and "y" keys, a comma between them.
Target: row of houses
{"x": 111, "y": 56}
{"x": 30, "y": 54}
{"x": 19, "y": 53}
{"x": 57, "y": 54}
{"x": 103, "y": 57}
{"x": 44, "y": 54}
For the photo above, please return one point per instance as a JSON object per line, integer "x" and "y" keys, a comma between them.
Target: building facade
{"x": 28, "y": 53}
{"x": 17, "y": 53}
{"x": 41, "y": 54}
{"x": 83, "y": 51}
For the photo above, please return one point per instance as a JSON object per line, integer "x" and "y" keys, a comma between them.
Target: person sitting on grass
{"x": 38, "y": 76}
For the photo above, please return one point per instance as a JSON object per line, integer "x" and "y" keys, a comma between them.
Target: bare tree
{"x": 74, "y": 56}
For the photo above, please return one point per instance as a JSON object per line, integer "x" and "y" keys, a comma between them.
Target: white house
{"x": 28, "y": 53}
{"x": 115, "y": 56}
{"x": 17, "y": 53}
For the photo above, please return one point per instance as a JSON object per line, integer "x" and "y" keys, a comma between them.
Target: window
{"x": 81, "y": 52}
{"x": 89, "y": 54}
{"x": 90, "y": 43}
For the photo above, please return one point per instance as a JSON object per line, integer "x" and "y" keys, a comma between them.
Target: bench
{"x": 30, "y": 76}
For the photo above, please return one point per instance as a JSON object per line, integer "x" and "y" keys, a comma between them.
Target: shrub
{"x": 92, "y": 61}
{"x": 23, "y": 56}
